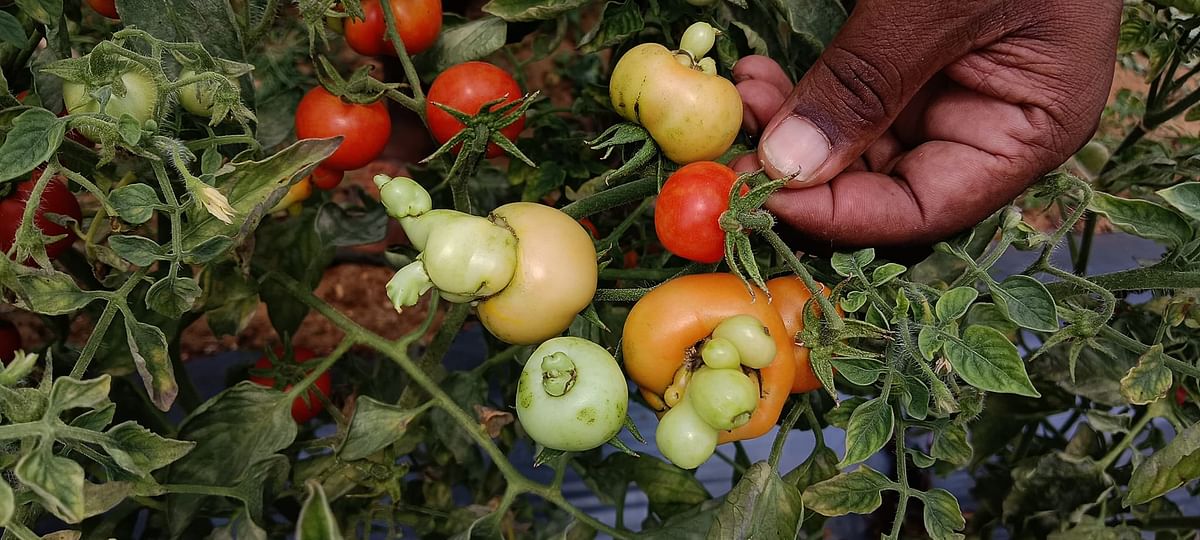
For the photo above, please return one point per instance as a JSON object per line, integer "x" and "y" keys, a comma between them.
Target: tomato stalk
{"x": 410, "y": 72}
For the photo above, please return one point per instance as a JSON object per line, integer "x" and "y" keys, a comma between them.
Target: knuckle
{"x": 871, "y": 86}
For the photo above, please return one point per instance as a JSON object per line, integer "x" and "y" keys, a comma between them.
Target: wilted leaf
{"x": 856, "y": 492}
{"x": 374, "y": 426}
{"x": 1149, "y": 380}
{"x": 761, "y": 505}
{"x": 1166, "y": 469}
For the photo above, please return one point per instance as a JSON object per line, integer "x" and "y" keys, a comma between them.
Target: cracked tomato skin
{"x": 364, "y": 128}
{"x": 687, "y": 211}
{"x": 465, "y": 88}
{"x": 56, "y": 199}
{"x": 788, "y": 296}
{"x": 301, "y": 412}
{"x": 417, "y": 21}
{"x": 675, "y": 316}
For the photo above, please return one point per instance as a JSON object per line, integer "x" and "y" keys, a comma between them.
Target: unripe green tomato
{"x": 754, "y": 344}
{"x": 684, "y": 438}
{"x": 197, "y": 97}
{"x": 723, "y": 398}
{"x": 470, "y": 256}
{"x": 139, "y": 101}
{"x": 698, "y": 39}
{"x": 1092, "y": 157}
{"x": 708, "y": 66}
{"x": 720, "y": 353}
{"x": 571, "y": 395}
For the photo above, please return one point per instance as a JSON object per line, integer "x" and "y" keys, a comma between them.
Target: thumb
{"x": 881, "y": 57}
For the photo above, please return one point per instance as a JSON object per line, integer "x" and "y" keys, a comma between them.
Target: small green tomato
{"x": 197, "y": 97}
{"x": 748, "y": 334}
{"x": 571, "y": 395}
{"x": 684, "y": 438}
{"x": 723, "y": 398}
{"x": 470, "y": 256}
{"x": 720, "y": 353}
{"x": 698, "y": 39}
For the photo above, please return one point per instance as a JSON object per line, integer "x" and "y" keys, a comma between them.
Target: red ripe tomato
{"x": 301, "y": 411}
{"x": 1181, "y": 395}
{"x": 326, "y": 178}
{"x": 56, "y": 199}
{"x": 466, "y": 87}
{"x": 688, "y": 210}
{"x": 591, "y": 227}
{"x": 364, "y": 128}
{"x": 10, "y": 342}
{"x": 108, "y": 8}
{"x": 417, "y": 21}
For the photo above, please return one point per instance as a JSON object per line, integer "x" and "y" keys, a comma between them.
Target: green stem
{"x": 1116, "y": 451}
{"x": 410, "y": 72}
{"x": 901, "y": 477}
{"x": 192, "y": 489}
{"x": 1138, "y": 279}
{"x": 498, "y": 358}
{"x": 620, "y": 295}
{"x": 106, "y": 317}
{"x": 810, "y": 416}
{"x": 221, "y": 140}
{"x": 612, "y": 198}
{"x": 785, "y": 428}
{"x": 828, "y": 311}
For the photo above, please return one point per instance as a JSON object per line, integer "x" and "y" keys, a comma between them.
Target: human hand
{"x": 923, "y": 117}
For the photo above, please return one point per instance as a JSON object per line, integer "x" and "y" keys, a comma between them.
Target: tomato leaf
{"x": 1184, "y": 197}
{"x": 870, "y": 428}
{"x": 140, "y": 451}
{"x": 761, "y": 505}
{"x": 855, "y": 492}
{"x": 950, "y": 445}
{"x": 617, "y": 23}
{"x": 848, "y": 264}
{"x": 821, "y": 465}
{"x": 134, "y": 203}
{"x": 1149, "y": 380}
{"x": 1143, "y": 218}
{"x": 954, "y": 303}
{"x": 138, "y": 250}
{"x": 148, "y": 345}
{"x": 1054, "y": 482}
{"x": 8, "y": 504}
{"x": 11, "y": 31}
{"x": 530, "y": 10}
{"x": 1027, "y": 302}
{"x": 942, "y": 514}
{"x": 468, "y": 41}
{"x": 316, "y": 521}
{"x": 987, "y": 360}
{"x": 57, "y": 481}
{"x": 71, "y": 393}
{"x": 34, "y": 137}
{"x": 180, "y": 21}
{"x": 375, "y": 425}
{"x": 1167, "y": 469}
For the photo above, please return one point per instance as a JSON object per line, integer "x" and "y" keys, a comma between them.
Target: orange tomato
{"x": 664, "y": 327}
{"x": 788, "y": 296}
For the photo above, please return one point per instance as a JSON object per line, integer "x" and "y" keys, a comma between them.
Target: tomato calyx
{"x": 485, "y": 127}
{"x": 361, "y": 88}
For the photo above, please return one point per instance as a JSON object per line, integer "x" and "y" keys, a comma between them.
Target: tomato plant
{"x": 508, "y": 312}
{"x": 55, "y": 199}
{"x": 418, "y": 23}
{"x": 304, "y": 407}
{"x": 364, "y": 128}
{"x": 466, "y": 88}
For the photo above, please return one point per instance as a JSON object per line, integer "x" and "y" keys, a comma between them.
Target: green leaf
{"x": 375, "y": 425}
{"x": 869, "y": 429}
{"x": 989, "y": 314}
{"x": 34, "y": 137}
{"x": 987, "y": 360}
{"x": 1143, "y": 218}
{"x": 942, "y": 515}
{"x": 339, "y": 227}
{"x": 317, "y": 521}
{"x": 71, "y": 393}
{"x": 1184, "y": 197}
{"x": 618, "y": 22}
{"x": 1096, "y": 529}
{"x": 920, "y": 459}
{"x": 950, "y": 445}
{"x": 846, "y": 264}
{"x": 886, "y": 273}
{"x": 859, "y": 371}
{"x": 129, "y": 129}
{"x": 8, "y": 503}
{"x": 821, "y": 465}
{"x": 818, "y": 19}
{"x": 669, "y": 489}
{"x": 840, "y": 416}
{"x": 208, "y": 250}
{"x": 138, "y": 250}
{"x": 180, "y": 21}
{"x": 855, "y": 492}
{"x": 239, "y": 427}
{"x": 530, "y": 10}
{"x": 50, "y": 292}
{"x": 134, "y": 203}
{"x": 148, "y": 345}
{"x": 96, "y": 419}
{"x": 1055, "y": 482}
{"x": 1147, "y": 381}
{"x": 761, "y": 505}
{"x": 930, "y": 341}
{"x": 954, "y": 303}
{"x": 57, "y": 482}
{"x": 141, "y": 451}
{"x": 173, "y": 296}
{"x": 232, "y": 298}
{"x": 472, "y": 40}
{"x": 252, "y": 187}
{"x": 11, "y": 31}
{"x": 915, "y": 397}
{"x": 854, "y": 301}
{"x": 1027, "y": 303}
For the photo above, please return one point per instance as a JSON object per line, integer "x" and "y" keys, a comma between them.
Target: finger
{"x": 764, "y": 69}
{"x": 760, "y": 102}
{"x": 745, "y": 163}
{"x": 878, "y": 61}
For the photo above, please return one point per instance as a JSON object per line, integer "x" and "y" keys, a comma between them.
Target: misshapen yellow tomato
{"x": 692, "y": 115}
{"x": 555, "y": 278}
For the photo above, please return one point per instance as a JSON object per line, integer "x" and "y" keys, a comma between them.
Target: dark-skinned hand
{"x": 923, "y": 117}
